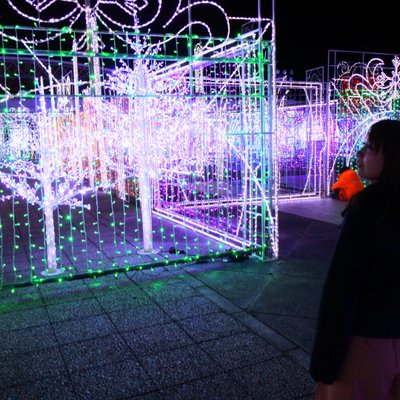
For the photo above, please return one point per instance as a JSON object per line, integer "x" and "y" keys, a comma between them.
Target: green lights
{"x": 108, "y": 237}
{"x": 396, "y": 104}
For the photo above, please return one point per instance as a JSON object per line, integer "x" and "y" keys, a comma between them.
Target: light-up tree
{"x": 164, "y": 115}
{"x": 41, "y": 172}
{"x": 161, "y": 129}
{"x": 133, "y": 15}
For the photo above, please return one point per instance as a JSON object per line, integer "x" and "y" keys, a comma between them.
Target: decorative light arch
{"x": 365, "y": 92}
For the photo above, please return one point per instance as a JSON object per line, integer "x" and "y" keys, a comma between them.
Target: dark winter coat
{"x": 361, "y": 295}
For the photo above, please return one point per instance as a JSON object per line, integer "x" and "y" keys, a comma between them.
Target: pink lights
{"x": 143, "y": 144}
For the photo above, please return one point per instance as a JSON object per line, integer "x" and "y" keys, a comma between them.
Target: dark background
{"x": 305, "y": 30}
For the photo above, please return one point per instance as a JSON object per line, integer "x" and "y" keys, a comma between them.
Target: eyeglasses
{"x": 367, "y": 146}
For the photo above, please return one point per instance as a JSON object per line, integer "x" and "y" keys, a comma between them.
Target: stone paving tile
{"x": 155, "y": 339}
{"x": 26, "y": 340}
{"x": 313, "y": 268}
{"x": 59, "y": 387}
{"x": 211, "y": 326}
{"x": 148, "y": 396}
{"x": 222, "y": 302}
{"x": 276, "y": 379}
{"x": 179, "y": 366}
{"x": 307, "y": 397}
{"x": 272, "y": 336}
{"x": 102, "y": 285}
{"x": 150, "y": 275}
{"x": 112, "y": 381}
{"x": 274, "y": 298}
{"x": 164, "y": 334}
{"x": 74, "y": 310}
{"x": 239, "y": 350}
{"x": 123, "y": 298}
{"x": 83, "y": 329}
{"x": 189, "y": 307}
{"x": 216, "y": 387}
{"x": 242, "y": 288}
{"x": 23, "y": 319}
{"x": 300, "y": 356}
{"x": 140, "y": 317}
{"x": 299, "y": 330}
{"x": 20, "y": 299}
{"x": 166, "y": 290}
{"x": 251, "y": 265}
{"x": 30, "y": 367}
{"x": 96, "y": 351}
{"x": 183, "y": 276}
{"x": 65, "y": 291}
{"x": 174, "y": 273}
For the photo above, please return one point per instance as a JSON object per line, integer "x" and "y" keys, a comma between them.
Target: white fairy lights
{"x": 159, "y": 121}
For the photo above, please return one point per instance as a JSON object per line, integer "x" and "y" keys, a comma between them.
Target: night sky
{"x": 306, "y": 30}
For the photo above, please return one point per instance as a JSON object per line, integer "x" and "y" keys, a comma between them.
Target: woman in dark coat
{"x": 356, "y": 354}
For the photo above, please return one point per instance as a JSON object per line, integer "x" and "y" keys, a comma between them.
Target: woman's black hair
{"x": 385, "y": 135}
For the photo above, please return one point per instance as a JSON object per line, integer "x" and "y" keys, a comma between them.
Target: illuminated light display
{"x": 128, "y": 150}
{"x": 124, "y": 149}
{"x": 302, "y": 139}
{"x": 315, "y": 137}
{"x": 35, "y": 167}
{"x": 114, "y": 15}
{"x": 364, "y": 92}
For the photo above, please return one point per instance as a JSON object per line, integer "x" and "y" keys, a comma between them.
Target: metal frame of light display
{"x": 363, "y": 88}
{"x": 123, "y": 150}
{"x": 301, "y": 139}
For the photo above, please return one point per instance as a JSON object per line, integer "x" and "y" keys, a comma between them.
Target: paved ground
{"x": 220, "y": 330}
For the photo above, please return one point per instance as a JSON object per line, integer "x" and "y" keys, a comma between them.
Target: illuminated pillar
{"x": 143, "y": 164}
{"x": 47, "y": 162}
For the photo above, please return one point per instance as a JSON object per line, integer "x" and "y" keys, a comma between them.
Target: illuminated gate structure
{"x": 365, "y": 88}
{"x": 301, "y": 139}
{"x": 133, "y": 150}
{"x": 321, "y": 126}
